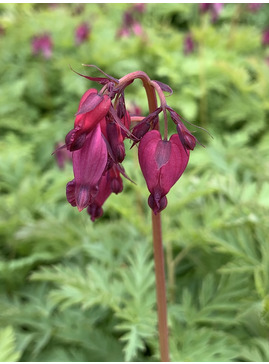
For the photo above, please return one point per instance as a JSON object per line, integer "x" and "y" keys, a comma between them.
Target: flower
{"x": 42, "y": 44}
{"x": 162, "y": 163}
{"x": 265, "y": 37}
{"x": 92, "y": 109}
{"x": 129, "y": 22}
{"x": 96, "y": 143}
{"x": 214, "y": 8}
{"x": 254, "y": 7}
{"x": 188, "y": 44}
{"x": 82, "y": 33}
{"x": 89, "y": 163}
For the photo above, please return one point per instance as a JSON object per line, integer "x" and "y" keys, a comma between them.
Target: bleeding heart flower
{"x": 89, "y": 163}
{"x": 162, "y": 163}
{"x": 93, "y": 107}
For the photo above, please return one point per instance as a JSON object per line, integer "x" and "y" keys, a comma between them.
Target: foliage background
{"x": 71, "y": 290}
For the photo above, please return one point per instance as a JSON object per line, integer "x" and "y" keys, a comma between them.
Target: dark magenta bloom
{"x": 89, "y": 163}
{"x": 214, "y": 9}
{"x": 254, "y": 7}
{"x": 42, "y": 44}
{"x": 188, "y": 44}
{"x": 162, "y": 163}
{"x": 82, "y": 33}
{"x": 265, "y": 37}
{"x": 97, "y": 145}
{"x": 92, "y": 109}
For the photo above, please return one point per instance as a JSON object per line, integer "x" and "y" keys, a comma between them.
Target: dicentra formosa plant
{"x": 102, "y": 123}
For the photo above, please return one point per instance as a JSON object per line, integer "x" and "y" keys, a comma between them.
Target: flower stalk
{"x": 159, "y": 257}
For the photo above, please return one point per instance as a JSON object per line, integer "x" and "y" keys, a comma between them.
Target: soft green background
{"x": 71, "y": 290}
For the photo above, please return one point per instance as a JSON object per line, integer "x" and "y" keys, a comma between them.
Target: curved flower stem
{"x": 151, "y": 87}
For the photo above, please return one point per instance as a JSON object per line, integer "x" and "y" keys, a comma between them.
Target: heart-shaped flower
{"x": 162, "y": 163}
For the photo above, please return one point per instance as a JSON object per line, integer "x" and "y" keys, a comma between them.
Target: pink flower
{"x": 97, "y": 146}
{"x": 42, "y": 44}
{"x": 82, "y": 33}
{"x": 265, "y": 37}
{"x": 129, "y": 22}
{"x": 92, "y": 109}
{"x": 254, "y": 7}
{"x": 162, "y": 163}
{"x": 89, "y": 163}
{"x": 214, "y": 8}
{"x": 188, "y": 44}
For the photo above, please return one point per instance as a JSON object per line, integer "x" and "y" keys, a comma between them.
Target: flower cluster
{"x": 96, "y": 142}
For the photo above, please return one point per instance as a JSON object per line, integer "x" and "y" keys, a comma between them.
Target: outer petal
{"x": 89, "y": 161}
{"x": 162, "y": 163}
{"x": 104, "y": 190}
{"x": 70, "y": 192}
{"x": 88, "y": 164}
{"x": 146, "y": 155}
{"x": 176, "y": 165}
{"x": 87, "y": 120}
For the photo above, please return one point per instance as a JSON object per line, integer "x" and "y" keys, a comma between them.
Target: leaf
{"x": 8, "y": 351}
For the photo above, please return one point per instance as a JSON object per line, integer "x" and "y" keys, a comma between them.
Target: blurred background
{"x": 73, "y": 290}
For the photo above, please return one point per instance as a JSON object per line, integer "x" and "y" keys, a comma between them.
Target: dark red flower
{"x": 254, "y": 7}
{"x": 214, "y": 8}
{"x": 92, "y": 109}
{"x": 188, "y": 44}
{"x": 265, "y": 37}
{"x": 162, "y": 163}
{"x": 89, "y": 163}
{"x": 42, "y": 44}
{"x": 82, "y": 33}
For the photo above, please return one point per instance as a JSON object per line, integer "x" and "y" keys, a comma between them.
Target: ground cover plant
{"x": 73, "y": 290}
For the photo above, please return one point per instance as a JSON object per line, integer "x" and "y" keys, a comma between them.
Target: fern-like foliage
{"x": 8, "y": 350}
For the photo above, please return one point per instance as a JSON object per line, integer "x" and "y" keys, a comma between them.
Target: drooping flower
{"x": 93, "y": 107}
{"x": 214, "y": 9}
{"x": 254, "y": 7}
{"x": 265, "y": 37}
{"x": 130, "y": 23}
{"x": 82, "y": 33}
{"x": 188, "y": 44}
{"x": 187, "y": 139}
{"x": 97, "y": 146}
{"x": 89, "y": 163}
{"x": 162, "y": 163}
{"x": 42, "y": 44}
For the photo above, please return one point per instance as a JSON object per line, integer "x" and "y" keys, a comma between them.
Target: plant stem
{"x": 159, "y": 257}
{"x": 150, "y": 88}
{"x": 160, "y": 286}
